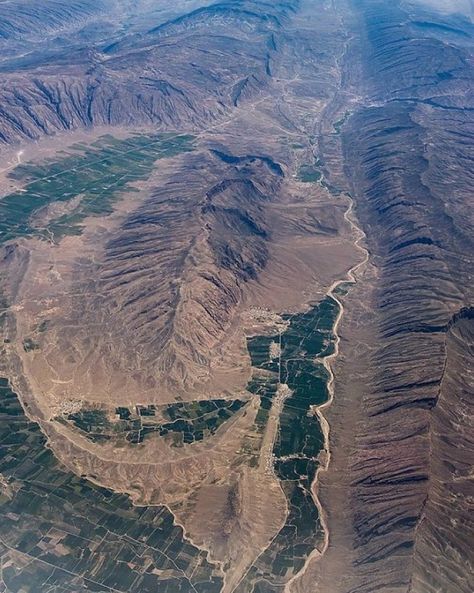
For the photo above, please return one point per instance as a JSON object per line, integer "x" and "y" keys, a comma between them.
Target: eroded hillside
{"x": 404, "y": 435}
{"x": 236, "y": 247}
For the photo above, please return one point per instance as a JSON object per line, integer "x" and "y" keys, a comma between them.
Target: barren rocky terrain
{"x": 236, "y": 296}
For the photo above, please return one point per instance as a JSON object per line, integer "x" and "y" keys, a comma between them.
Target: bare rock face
{"x": 443, "y": 534}
{"x": 20, "y": 20}
{"x": 405, "y": 155}
{"x": 299, "y": 116}
{"x": 171, "y": 277}
{"x": 141, "y": 78}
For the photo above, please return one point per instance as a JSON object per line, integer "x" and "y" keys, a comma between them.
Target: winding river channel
{"x": 298, "y": 384}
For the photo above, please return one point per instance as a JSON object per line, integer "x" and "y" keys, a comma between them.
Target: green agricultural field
{"x": 89, "y": 177}
{"x": 308, "y": 338}
{"x": 194, "y": 421}
{"x": 309, "y": 174}
{"x": 65, "y": 533}
{"x": 186, "y": 422}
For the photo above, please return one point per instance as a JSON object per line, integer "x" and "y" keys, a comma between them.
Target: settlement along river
{"x": 298, "y": 381}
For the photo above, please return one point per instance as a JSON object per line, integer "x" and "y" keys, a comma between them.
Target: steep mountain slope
{"x": 408, "y": 156}
{"x": 188, "y": 191}
{"x": 161, "y": 221}
{"x": 142, "y": 78}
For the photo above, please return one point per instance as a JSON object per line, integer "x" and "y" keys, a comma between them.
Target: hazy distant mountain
{"x": 236, "y": 248}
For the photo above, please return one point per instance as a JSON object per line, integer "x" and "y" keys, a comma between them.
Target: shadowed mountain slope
{"x": 193, "y": 180}
{"x": 408, "y": 155}
{"x": 186, "y": 72}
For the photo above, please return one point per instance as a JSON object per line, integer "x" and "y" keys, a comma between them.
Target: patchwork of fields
{"x": 85, "y": 181}
{"x": 62, "y": 533}
{"x": 296, "y": 363}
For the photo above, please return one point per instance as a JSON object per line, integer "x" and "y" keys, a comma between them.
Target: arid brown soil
{"x": 317, "y": 131}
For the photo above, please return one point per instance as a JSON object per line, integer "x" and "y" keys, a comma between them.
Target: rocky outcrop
{"x": 406, "y": 152}
{"x": 143, "y": 306}
{"x": 443, "y": 539}
{"x": 140, "y": 79}
{"x": 174, "y": 273}
{"x": 20, "y": 19}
